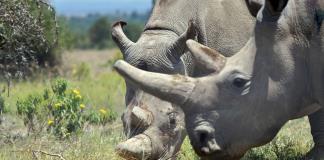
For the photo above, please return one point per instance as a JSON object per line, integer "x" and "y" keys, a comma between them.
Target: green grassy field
{"x": 91, "y": 73}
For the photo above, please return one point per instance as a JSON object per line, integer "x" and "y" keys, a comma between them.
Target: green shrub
{"x": 62, "y": 110}
{"x": 31, "y": 111}
{"x": 65, "y": 110}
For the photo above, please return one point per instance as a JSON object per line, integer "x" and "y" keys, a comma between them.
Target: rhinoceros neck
{"x": 316, "y": 65}
{"x": 225, "y": 25}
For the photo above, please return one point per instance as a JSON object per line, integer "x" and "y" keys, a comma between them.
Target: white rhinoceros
{"x": 245, "y": 99}
{"x": 155, "y": 128}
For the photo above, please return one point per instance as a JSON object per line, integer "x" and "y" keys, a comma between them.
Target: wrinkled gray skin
{"x": 156, "y": 128}
{"x": 246, "y": 98}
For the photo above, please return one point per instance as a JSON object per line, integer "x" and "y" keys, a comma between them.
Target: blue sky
{"x": 82, "y": 7}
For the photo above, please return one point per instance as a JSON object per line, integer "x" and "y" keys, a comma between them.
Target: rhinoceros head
{"x": 155, "y": 128}
{"x": 245, "y": 99}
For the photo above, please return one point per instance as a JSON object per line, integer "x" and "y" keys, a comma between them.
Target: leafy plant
{"x": 62, "y": 109}
{"x": 65, "y": 111}
{"x": 31, "y": 111}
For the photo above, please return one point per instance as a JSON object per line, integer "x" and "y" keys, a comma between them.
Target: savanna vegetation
{"x": 61, "y": 99}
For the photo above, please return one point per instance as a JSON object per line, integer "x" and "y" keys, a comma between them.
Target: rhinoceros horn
{"x": 120, "y": 38}
{"x": 141, "y": 117}
{"x": 173, "y": 88}
{"x": 138, "y": 147}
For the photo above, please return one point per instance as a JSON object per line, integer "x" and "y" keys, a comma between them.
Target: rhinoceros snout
{"x": 205, "y": 142}
{"x": 138, "y": 147}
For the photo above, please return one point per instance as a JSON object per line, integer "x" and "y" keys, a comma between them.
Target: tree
{"x": 26, "y": 35}
{"x": 99, "y": 33}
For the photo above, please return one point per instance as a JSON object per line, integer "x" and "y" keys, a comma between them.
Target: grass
{"x": 104, "y": 88}
{"x": 95, "y": 144}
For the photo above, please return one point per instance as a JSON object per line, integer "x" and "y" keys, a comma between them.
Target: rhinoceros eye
{"x": 240, "y": 82}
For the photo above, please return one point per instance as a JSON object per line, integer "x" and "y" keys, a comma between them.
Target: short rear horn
{"x": 120, "y": 38}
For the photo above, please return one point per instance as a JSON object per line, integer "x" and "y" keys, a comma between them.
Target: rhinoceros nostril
{"x": 204, "y": 133}
{"x": 203, "y": 137}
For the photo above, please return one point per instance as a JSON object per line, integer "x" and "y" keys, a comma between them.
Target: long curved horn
{"x": 138, "y": 147}
{"x": 120, "y": 38}
{"x": 172, "y": 88}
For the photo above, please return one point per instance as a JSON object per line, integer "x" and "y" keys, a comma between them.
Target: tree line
{"x": 94, "y": 30}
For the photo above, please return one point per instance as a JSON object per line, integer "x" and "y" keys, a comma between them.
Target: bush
{"x": 62, "y": 110}
{"x": 31, "y": 111}
{"x": 65, "y": 110}
{"x": 28, "y": 35}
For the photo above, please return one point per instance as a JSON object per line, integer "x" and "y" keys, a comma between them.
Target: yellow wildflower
{"x": 78, "y": 96}
{"x": 50, "y": 122}
{"x": 82, "y": 106}
{"x": 57, "y": 105}
{"x": 103, "y": 111}
{"x": 76, "y": 92}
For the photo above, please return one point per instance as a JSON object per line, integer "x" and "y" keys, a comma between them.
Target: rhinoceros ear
{"x": 275, "y": 7}
{"x": 206, "y": 58}
{"x": 180, "y": 45}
